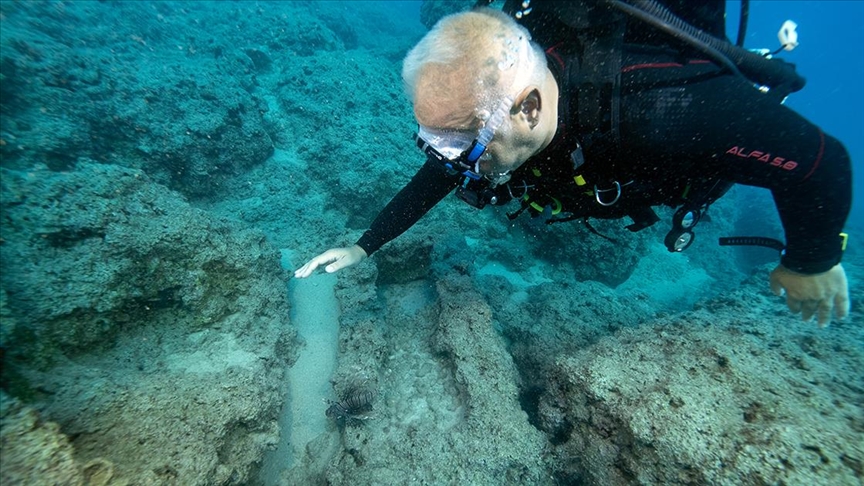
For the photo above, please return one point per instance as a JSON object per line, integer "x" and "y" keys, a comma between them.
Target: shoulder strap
{"x": 597, "y": 84}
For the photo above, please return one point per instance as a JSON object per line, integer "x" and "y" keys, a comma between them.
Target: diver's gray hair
{"x": 483, "y": 54}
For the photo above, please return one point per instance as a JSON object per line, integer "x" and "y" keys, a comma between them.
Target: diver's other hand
{"x": 818, "y": 294}
{"x": 338, "y": 258}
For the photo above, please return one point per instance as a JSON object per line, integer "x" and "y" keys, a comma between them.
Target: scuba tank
{"x": 587, "y": 15}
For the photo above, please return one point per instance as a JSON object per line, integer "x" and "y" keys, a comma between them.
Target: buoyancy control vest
{"x": 580, "y": 176}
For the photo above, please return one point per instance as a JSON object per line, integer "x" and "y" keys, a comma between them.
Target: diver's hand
{"x": 338, "y": 258}
{"x": 813, "y": 294}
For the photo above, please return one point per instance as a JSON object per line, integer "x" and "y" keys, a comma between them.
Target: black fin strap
{"x": 593, "y": 230}
{"x": 753, "y": 241}
{"x": 515, "y": 214}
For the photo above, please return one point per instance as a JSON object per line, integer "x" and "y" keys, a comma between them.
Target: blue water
{"x": 831, "y": 34}
{"x": 165, "y": 166}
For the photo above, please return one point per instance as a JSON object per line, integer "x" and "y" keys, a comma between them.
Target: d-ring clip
{"x": 617, "y": 190}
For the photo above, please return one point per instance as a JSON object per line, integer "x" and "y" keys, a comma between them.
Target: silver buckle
{"x": 617, "y": 190}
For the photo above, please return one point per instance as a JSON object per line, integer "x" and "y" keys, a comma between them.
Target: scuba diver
{"x": 626, "y": 106}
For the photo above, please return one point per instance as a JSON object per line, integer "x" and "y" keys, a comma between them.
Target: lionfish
{"x": 353, "y": 409}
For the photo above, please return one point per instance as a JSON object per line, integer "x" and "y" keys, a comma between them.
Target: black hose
{"x": 775, "y": 74}
{"x": 742, "y": 22}
{"x": 669, "y": 25}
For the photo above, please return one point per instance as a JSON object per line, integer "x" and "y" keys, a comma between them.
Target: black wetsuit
{"x": 683, "y": 122}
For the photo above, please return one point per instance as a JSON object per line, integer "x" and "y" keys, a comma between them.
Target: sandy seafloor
{"x": 166, "y": 164}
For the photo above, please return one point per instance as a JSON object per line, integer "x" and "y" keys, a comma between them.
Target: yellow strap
{"x": 686, "y": 191}
{"x": 557, "y": 208}
{"x": 845, "y": 238}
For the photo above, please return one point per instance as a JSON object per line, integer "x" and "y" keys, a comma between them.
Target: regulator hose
{"x": 742, "y": 22}
{"x": 774, "y": 73}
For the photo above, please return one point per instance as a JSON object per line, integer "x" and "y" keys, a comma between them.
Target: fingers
{"x": 822, "y": 309}
{"x": 347, "y": 257}
{"x": 819, "y": 295}
{"x": 808, "y": 309}
{"x": 306, "y": 270}
{"x": 826, "y": 307}
{"x": 841, "y": 304}
{"x": 338, "y": 264}
{"x": 336, "y": 259}
{"x": 793, "y": 304}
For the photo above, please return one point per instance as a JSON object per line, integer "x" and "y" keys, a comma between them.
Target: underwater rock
{"x": 34, "y": 450}
{"x": 448, "y": 393}
{"x": 153, "y": 334}
{"x": 431, "y": 11}
{"x": 736, "y": 393}
{"x": 496, "y": 432}
{"x": 101, "y": 250}
{"x": 181, "y": 119}
{"x": 404, "y": 260}
{"x": 98, "y": 472}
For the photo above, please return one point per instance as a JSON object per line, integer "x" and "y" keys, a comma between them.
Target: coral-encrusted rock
{"x": 34, "y": 451}
{"x": 447, "y": 410}
{"x": 188, "y": 119}
{"x": 98, "y": 251}
{"x": 486, "y": 378}
{"x": 153, "y": 334}
{"x": 740, "y": 395}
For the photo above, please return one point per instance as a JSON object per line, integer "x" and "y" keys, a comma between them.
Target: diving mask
{"x": 459, "y": 152}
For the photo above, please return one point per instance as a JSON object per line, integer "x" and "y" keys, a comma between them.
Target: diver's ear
{"x": 528, "y": 103}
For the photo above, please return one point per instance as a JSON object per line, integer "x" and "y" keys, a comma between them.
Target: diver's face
{"x": 504, "y": 153}
{"x": 526, "y": 129}
{"x": 507, "y": 151}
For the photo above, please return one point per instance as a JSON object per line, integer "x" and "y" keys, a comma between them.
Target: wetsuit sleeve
{"x": 814, "y": 211}
{"x": 723, "y": 127}
{"x": 425, "y": 190}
